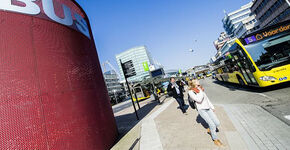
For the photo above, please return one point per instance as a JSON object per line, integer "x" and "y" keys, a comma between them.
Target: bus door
{"x": 245, "y": 66}
{"x": 139, "y": 92}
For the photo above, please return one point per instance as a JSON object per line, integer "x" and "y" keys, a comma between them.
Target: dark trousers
{"x": 180, "y": 101}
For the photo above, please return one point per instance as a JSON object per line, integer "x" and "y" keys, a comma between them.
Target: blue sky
{"x": 169, "y": 28}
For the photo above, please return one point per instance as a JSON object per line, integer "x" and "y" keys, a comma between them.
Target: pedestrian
{"x": 176, "y": 91}
{"x": 205, "y": 109}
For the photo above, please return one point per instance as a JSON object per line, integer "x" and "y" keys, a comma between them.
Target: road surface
{"x": 275, "y": 100}
{"x": 121, "y": 106}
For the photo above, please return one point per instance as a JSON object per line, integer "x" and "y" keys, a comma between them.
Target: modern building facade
{"x": 139, "y": 56}
{"x": 115, "y": 88}
{"x": 198, "y": 70}
{"x": 247, "y": 26}
{"x": 232, "y": 20}
{"x": 226, "y": 46}
{"x": 171, "y": 73}
{"x": 236, "y": 24}
{"x": 219, "y": 43}
{"x": 221, "y": 40}
{"x": 270, "y": 12}
{"x": 52, "y": 90}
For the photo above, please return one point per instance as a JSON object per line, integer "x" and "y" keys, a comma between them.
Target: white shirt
{"x": 202, "y": 101}
{"x": 176, "y": 87}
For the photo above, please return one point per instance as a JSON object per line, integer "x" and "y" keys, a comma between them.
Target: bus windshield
{"x": 272, "y": 52}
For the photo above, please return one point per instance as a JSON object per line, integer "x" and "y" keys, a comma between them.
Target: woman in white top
{"x": 205, "y": 109}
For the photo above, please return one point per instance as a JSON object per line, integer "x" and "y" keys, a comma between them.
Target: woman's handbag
{"x": 191, "y": 102}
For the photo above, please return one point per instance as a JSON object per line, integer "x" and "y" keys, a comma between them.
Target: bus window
{"x": 138, "y": 90}
{"x": 245, "y": 60}
{"x": 270, "y": 53}
{"x": 225, "y": 69}
{"x": 246, "y": 66}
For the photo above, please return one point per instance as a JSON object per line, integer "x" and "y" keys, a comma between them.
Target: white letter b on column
{"x": 30, "y": 7}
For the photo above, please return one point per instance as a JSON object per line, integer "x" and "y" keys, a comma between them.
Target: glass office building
{"x": 112, "y": 83}
{"x": 269, "y": 12}
{"x": 138, "y": 55}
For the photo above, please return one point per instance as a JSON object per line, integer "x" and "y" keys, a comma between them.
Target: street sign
{"x": 128, "y": 64}
{"x": 145, "y": 66}
{"x": 128, "y": 69}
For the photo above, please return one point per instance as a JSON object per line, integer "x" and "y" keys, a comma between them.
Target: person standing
{"x": 176, "y": 91}
{"x": 205, "y": 109}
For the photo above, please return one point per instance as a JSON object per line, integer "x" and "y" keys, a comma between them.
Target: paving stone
{"x": 264, "y": 129}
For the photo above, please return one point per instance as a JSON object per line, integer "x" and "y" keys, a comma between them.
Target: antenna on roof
{"x": 225, "y": 12}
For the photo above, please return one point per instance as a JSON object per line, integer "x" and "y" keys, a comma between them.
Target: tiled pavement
{"x": 243, "y": 126}
{"x": 261, "y": 128}
{"x": 187, "y": 132}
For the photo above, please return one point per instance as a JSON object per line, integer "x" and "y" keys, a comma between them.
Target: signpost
{"x": 129, "y": 71}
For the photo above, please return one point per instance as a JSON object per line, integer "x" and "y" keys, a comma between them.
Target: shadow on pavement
{"x": 185, "y": 107}
{"x": 134, "y": 144}
{"x": 234, "y": 87}
{"x": 127, "y": 121}
{"x": 162, "y": 98}
{"x": 201, "y": 121}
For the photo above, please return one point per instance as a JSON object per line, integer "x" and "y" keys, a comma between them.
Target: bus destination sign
{"x": 265, "y": 34}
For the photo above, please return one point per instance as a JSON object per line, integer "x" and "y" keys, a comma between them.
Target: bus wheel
{"x": 241, "y": 81}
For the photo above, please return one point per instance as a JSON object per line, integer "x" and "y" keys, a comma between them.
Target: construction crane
{"x": 111, "y": 66}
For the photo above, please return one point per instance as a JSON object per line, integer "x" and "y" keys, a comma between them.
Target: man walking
{"x": 177, "y": 92}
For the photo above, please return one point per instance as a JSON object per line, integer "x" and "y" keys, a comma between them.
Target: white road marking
{"x": 261, "y": 94}
{"x": 287, "y": 117}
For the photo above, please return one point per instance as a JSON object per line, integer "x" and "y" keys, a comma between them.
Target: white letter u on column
{"x": 49, "y": 11}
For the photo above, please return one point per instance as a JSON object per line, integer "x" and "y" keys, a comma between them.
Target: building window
{"x": 261, "y": 6}
{"x": 272, "y": 9}
{"x": 282, "y": 16}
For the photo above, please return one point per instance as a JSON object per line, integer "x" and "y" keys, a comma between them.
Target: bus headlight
{"x": 267, "y": 78}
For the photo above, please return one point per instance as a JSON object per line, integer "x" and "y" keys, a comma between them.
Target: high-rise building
{"x": 115, "y": 88}
{"x": 219, "y": 43}
{"x": 139, "y": 56}
{"x": 270, "y": 12}
{"x": 221, "y": 40}
{"x": 232, "y": 20}
{"x": 247, "y": 26}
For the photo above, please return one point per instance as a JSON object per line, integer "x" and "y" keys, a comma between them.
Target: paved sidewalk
{"x": 188, "y": 132}
{"x": 129, "y": 127}
{"x": 243, "y": 126}
{"x": 260, "y": 129}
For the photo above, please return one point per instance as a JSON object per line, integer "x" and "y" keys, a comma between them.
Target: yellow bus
{"x": 258, "y": 59}
{"x": 141, "y": 92}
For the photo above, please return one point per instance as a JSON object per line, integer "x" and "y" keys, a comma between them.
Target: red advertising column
{"x": 52, "y": 91}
